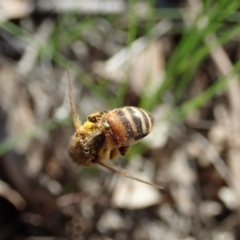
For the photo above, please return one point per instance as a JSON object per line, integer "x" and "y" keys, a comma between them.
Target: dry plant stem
{"x": 214, "y": 157}
{"x": 84, "y": 7}
{"x": 230, "y": 222}
{"x": 76, "y": 121}
{"x": 224, "y": 65}
{"x": 30, "y": 55}
{"x": 34, "y": 195}
{"x": 68, "y": 199}
{"x": 12, "y": 195}
{"x": 118, "y": 65}
{"x": 125, "y": 173}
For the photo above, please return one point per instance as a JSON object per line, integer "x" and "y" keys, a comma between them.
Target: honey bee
{"x": 106, "y": 135}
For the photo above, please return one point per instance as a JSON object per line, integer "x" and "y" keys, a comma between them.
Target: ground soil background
{"x": 177, "y": 59}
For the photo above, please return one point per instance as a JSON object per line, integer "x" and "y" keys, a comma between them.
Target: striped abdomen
{"x": 128, "y": 124}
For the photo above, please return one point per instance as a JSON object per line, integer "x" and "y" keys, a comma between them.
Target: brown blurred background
{"x": 176, "y": 59}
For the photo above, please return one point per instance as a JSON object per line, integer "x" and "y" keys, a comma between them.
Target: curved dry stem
{"x": 125, "y": 173}
{"x": 76, "y": 121}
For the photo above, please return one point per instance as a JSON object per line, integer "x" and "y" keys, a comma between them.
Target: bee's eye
{"x": 106, "y": 125}
{"x": 92, "y": 119}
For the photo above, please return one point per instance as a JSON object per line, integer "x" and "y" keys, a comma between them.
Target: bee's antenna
{"x": 125, "y": 173}
{"x": 76, "y": 121}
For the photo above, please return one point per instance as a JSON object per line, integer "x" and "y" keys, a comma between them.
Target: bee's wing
{"x": 76, "y": 120}
{"x": 125, "y": 173}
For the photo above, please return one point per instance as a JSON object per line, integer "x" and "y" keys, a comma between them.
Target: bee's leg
{"x": 95, "y": 145}
{"x": 123, "y": 150}
{"x": 114, "y": 153}
{"x": 118, "y": 151}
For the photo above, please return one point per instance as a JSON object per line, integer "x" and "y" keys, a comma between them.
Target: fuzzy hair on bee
{"x": 106, "y": 135}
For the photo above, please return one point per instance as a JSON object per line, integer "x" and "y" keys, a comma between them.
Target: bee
{"x": 106, "y": 135}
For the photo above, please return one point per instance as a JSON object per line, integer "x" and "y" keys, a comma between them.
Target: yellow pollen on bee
{"x": 89, "y": 125}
